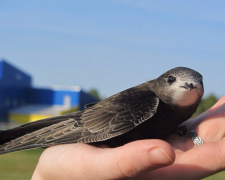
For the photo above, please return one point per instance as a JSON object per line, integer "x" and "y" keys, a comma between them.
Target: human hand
{"x": 83, "y": 161}
{"x": 135, "y": 160}
{"x": 196, "y": 162}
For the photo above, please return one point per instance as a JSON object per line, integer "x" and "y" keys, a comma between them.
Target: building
{"x": 22, "y": 103}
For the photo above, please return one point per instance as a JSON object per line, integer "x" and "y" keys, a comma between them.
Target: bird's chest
{"x": 163, "y": 123}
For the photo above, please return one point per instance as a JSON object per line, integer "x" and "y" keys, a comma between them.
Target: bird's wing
{"x": 90, "y": 104}
{"x": 118, "y": 115}
{"x": 109, "y": 118}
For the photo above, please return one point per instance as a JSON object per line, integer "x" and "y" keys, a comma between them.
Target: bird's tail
{"x": 42, "y": 133}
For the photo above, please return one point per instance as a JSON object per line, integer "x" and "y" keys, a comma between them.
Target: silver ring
{"x": 195, "y": 138}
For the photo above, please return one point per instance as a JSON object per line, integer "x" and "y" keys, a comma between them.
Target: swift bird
{"x": 153, "y": 109}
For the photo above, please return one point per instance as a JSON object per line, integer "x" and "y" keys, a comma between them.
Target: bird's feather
{"x": 109, "y": 118}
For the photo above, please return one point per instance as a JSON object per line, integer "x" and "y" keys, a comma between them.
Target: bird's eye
{"x": 171, "y": 79}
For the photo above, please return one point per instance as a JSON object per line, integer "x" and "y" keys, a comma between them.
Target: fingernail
{"x": 159, "y": 156}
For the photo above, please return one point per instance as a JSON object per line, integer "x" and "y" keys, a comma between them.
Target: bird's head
{"x": 180, "y": 86}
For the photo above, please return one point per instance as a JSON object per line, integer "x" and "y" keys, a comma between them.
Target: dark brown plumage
{"x": 153, "y": 109}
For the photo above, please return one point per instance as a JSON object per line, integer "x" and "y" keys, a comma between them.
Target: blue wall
{"x": 16, "y": 90}
{"x": 53, "y": 97}
{"x": 1, "y": 69}
{"x": 57, "y": 97}
{"x": 11, "y": 76}
{"x": 14, "y": 87}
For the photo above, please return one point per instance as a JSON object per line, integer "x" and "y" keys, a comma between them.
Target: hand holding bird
{"x": 177, "y": 158}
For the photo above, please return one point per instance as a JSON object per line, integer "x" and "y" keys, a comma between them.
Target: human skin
{"x": 175, "y": 158}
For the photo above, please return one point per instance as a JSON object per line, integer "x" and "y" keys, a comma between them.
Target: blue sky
{"x": 112, "y": 45}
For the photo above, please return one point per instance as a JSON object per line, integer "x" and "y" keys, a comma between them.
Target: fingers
{"x": 220, "y": 102}
{"x": 196, "y": 163}
{"x": 208, "y": 118}
{"x": 135, "y": 158}
{"x": 82, "y": 161}
{"x": 202, "y": 161}
{"x": 210, "y": 157}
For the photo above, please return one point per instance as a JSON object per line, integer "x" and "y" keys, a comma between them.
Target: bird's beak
{"x": 189, "y": 86}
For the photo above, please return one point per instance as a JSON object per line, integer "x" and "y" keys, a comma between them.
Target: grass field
{"x": 218, "y": 176}
{"x": 20, "y": 166}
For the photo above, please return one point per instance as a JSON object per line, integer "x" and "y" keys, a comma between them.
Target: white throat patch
{"x": 185, "y": 97}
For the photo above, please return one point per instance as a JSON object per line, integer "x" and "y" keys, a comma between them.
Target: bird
{"x": 151, "y": 110}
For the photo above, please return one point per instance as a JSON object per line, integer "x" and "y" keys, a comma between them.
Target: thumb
{"x": 135, "y": 158}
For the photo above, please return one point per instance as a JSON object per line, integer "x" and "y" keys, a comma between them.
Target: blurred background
{"x": 104, "y": 47}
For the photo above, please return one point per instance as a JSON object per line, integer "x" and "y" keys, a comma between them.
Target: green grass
{"x": 218, "y": 176}
{"x": 20, "y": 166}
